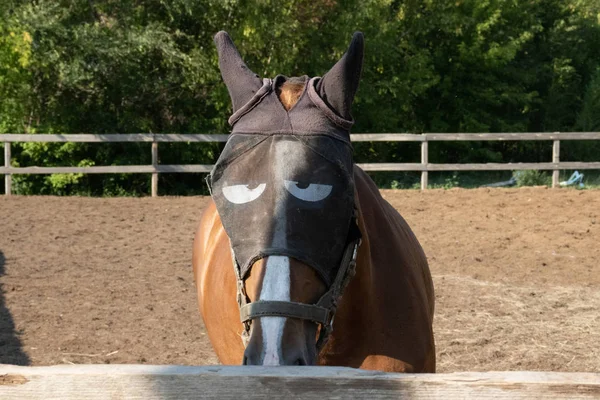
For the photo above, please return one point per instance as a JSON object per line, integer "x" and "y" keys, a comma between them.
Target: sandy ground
{"x": 109, "y": 280}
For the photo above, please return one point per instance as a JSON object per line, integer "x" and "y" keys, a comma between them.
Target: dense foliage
{"x": 431, "y": 66}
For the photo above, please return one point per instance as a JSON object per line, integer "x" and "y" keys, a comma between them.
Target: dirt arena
{"x": 109, "y": 280}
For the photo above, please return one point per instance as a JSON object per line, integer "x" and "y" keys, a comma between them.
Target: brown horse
{"x": 294, "y": 223}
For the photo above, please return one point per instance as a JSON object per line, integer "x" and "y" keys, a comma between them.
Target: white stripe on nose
{"x": 276, "y": 283}
{"x": 276, "y": 286}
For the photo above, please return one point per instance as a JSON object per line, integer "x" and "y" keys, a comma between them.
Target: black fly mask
{"x": 284, "y": 184}
{"x": 278, "y": 195}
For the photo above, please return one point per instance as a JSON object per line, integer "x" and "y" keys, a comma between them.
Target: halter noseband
{"x": 322, "y": 313}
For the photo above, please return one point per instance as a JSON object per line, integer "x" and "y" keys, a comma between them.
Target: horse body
{"x": 278, "y": 259}
{"x": 384, "y": 319}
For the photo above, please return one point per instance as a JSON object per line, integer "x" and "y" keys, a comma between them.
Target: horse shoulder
{"x": 386, "y": 312}
{"x": 216, "y": 286}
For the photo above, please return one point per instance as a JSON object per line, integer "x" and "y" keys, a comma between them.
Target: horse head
{"x": 284, "y": 190}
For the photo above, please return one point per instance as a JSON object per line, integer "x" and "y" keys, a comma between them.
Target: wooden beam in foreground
{"x": 177, "y": 382}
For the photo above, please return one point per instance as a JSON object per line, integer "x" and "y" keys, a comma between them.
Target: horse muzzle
{"x": 296, "y": 345}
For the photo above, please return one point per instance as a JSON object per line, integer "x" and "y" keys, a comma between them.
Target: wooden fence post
{"x": 7, "y": 177}
{"x": 555, "y": 159}
{"x": 154, "y": 164}
{"x": 424, "y": 162}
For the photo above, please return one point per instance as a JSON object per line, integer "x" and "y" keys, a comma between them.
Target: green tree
{"x": 150, "y": 66}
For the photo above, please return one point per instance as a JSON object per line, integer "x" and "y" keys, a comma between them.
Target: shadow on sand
{"x": 11, "y": 348}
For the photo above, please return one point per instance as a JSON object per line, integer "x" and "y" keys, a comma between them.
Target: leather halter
{"x": 321, "y": 313}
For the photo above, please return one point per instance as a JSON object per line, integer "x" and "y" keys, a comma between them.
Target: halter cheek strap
{"x": 322, "y": 313}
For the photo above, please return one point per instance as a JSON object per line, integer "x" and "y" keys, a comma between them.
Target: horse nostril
{"x": 245, "y": 361}
{"x": 300, "y": 361}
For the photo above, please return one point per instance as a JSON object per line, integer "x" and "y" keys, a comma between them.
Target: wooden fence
{"x": 424, "y": 166}
{"x": 177, "y": 382}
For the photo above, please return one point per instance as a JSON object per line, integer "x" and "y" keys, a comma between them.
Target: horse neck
{"x": 363, "y": 259}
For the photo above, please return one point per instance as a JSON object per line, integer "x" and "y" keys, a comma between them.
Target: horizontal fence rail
{"x": 424, "y": 166}
{"x": 151, "y": 382}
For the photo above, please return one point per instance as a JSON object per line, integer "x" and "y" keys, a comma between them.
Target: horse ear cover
{"x": 241, "y": 82}
{"x": 339, "y": 85}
